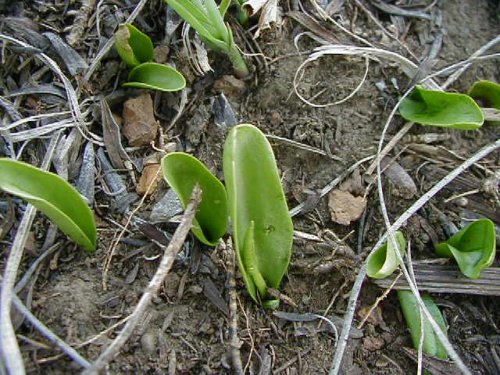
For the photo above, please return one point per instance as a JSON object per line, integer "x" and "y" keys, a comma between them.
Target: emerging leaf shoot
{"x": 486, "y": 91}
{"x": 383, "y": 262}
{"x": 411, "y": 312}
{"x": 473, "y": 247}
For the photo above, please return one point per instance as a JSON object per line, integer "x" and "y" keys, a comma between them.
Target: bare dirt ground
{"x": 186, "y": 329}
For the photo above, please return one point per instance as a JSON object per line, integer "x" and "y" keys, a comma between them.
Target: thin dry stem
{"x": 233, "y": 310}
{"x": 377, "y": 302}
{"x": 8, "y": 343}
{"x": 73, "y": 103}
{"x": 111, "y": 252}
{"x": 337, "y": 102}
{"x": 169, "y": 255}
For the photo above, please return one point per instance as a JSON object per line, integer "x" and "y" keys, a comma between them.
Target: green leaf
{"x": 182, "y": 172}
{"x": 207, "y": 19}
{"x": 488, "y": 92}
{"x": 133, "y": 46}
{"x": 411, "y": 312}
{"x": 383, "y": 261}
{"x": 255, "y": 195}
{"x": 195, "y": 15}
{"x": 53, "y": 196}
{"x": 156, "y": 77}
{"x": 223, "y": 6}
{"x": 445, "y": 109}
{"x": 214, "y": 15}
{"x": 473, "y": 247}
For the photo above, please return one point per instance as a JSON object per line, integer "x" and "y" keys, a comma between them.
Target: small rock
{"x": 345, "y": 207}
{"x": 139, "y": 124}
{"x": 196, "y": 126}
{"x": 276, "y": 118}
{"x": 230, "y": 86}
{"x": 373, "y": 343}
{"x": 171, "y": 284}
{"x": 149, "y": 341}
{"x": 149, "y": 176}
{"x": 224, "y": 115}
{"x": 161, "y": 54}
{"x": 166, "y": 208}
{"x": 403, "y": 184}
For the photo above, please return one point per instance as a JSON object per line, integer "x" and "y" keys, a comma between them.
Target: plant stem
{"x": 239, "y": 65}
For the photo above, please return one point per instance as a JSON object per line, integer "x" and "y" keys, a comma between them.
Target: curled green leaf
{"x": 53, "y": 196}
{"x": 182, "y": 172}
{"x": 411, "y": 312}
{"x": 473, "y": 247}
{"x": 439, "y": 108}
{"x": 383, "y": 261}
{"x": 156, "y": 77}
{"x": 133, "y": 46}
{"x": 488, "y": 92}
{"x": 256, "y": 201}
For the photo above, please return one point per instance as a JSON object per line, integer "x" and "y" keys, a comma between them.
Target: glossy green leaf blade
{"x": 473, "y": 247}
{"x": 53, "y": 196}
{"x": 223, "y": 7}
{"x": 195, "y": 15}
{"x": 445, "y": 109}
{"x": 383, "y": 261}
{"x": 255, "y": 194}
{"x": 133, "y": 46}
{"x": 182, "y": 172}
{"x": 156, "y": 77}
{"x": 488, "y": 92}
{"x": 215, "y": 16}
{"x": 411, "y": 312}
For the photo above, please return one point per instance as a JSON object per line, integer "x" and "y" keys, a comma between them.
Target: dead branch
{"x": 169, "y": 255}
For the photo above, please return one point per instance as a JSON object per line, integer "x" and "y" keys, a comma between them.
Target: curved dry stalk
{"x": 389, "y": 235}
{"x": 9, "y": 346}
{"x": 73, "y": 103}
{"x": 51, "y": 336}
{"x": 407, "y": 66}
{"x": 479, "y": 52}
{"x": 8, "y": 343}
{"x": 340, "y": 101}
{"x": 234, "y": 343}
{"x": 169, "y": 255}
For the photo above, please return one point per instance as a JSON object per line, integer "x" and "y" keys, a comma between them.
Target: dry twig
{"x": 169, "y": 255}
{"x": 80, "y": 23}
{"x": 8, "y": 343}
{"x": 234, "y": 341}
